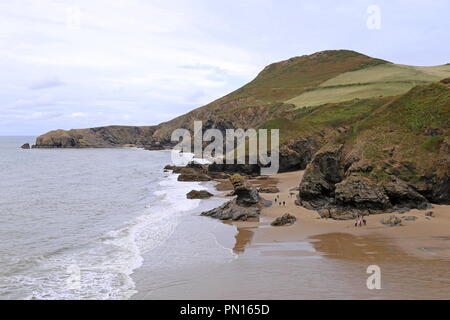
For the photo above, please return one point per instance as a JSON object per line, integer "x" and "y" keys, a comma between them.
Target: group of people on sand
{"x": 281, "y": 203}
{"x": 360, "y": 221}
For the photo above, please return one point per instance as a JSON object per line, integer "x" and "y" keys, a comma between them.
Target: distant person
{"x": 284, "y": 203}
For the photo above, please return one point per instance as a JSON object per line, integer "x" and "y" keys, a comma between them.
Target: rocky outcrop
{"x": 25, "y": 146}
{"x": 318, "y": 184}
{"x": 285, "y": 220}
{"x": 247, "y": 196}
{"x": 402, "y": 195}
{"x": 297, "y": 153}
{"x": 339, "y": 186}
{"x": 359, "y": 193}
{"x": 202, "y": 194}
{"x": 246, "y": 205}
{"x": 192, "y": 176}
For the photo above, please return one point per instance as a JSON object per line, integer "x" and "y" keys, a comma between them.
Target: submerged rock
{"x": 286, "y": 219}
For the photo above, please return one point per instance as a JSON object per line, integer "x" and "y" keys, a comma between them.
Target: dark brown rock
{"x": 247, "y": 204}
{"x": 402, "y": 195}
{"x": 318, "y": 184}
{"x": 25, "y": 146}
{"x": 186, "y": 177}
{"x": 268, "y": 190}
{"x": 246, "y": 195}
{"x": 285, "y": 220}
{"x": 202, "y": 194}
{"x": 361, "y": 193}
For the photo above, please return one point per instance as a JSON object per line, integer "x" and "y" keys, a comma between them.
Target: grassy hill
{"x": 380, "y": 80}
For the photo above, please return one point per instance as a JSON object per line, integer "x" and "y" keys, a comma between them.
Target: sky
{"x": 76, "y": 64}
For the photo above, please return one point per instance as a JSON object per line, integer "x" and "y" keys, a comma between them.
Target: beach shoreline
{"x": 424, "y": 238}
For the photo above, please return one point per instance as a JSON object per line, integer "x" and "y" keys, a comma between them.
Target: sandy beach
{"x": 424, "y": 238}
{"x": 313, "y": 259}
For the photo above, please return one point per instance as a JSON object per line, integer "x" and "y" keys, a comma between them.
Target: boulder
{"x": 196, "y": 165}
{"x": 268, "y": 190}
{"x": 391, "y": 221}
{"x": 192, "y": 174}
{"x": 232, "y": 211}
{"x": 202, "y": 194}
{"x": 429, "y": 214}
{"x": 25, "y": 146}
{"x": 286, "y": 219}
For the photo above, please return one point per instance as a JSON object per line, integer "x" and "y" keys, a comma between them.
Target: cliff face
{"x": 397, "y": 158}
{"x": 102, "y": 137}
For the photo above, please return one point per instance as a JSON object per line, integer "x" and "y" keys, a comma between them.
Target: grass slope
{"x": 379, "y": 80}
{"x": 287, "y": 79}
{"x": 406, "y": 134}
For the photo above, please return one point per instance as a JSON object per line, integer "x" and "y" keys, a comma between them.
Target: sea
{"x": 77, "y": 223}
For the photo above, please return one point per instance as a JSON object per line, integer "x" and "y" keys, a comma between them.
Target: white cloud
{"x": 145, "y": 61}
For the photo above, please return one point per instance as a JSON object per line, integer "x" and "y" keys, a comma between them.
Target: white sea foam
{"x": 106, "y": 267}
{"x": 64, "y": 227}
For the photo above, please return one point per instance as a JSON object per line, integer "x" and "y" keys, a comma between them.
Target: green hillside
{"x": 376, "y": 81}
{"x": 287, "y": 79}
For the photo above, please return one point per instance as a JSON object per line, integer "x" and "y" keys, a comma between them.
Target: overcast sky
{"x": 74, "y": 64}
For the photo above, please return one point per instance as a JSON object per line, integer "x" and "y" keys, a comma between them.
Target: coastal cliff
{"x": 102, "y": 137}
{"x": 373, "y": 136}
